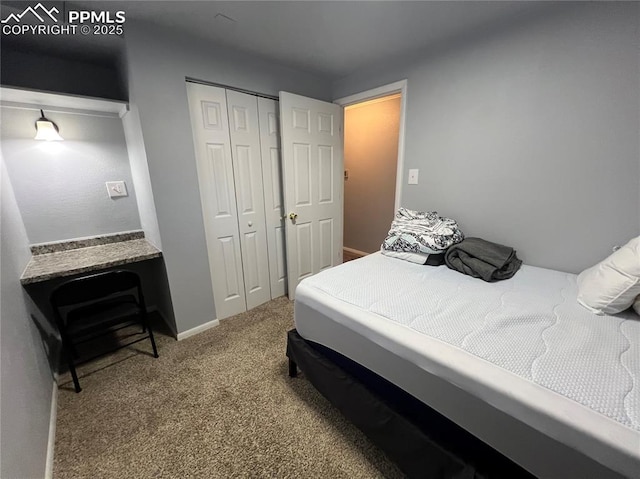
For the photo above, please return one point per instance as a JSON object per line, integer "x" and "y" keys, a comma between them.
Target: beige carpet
{"x": 216, "y": 405}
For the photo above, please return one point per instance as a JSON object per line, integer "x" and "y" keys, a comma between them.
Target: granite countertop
{"x": 68, "y": 262}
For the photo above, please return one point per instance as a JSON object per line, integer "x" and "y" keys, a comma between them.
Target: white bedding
{"x": 523, "y": 345}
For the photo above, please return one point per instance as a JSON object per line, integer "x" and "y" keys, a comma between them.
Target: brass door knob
{"x": 293, "y": 216}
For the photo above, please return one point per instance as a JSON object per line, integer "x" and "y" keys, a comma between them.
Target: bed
{"x": 517, "y": 364}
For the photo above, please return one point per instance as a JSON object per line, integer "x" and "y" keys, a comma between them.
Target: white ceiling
{"x": 329, "y": 38}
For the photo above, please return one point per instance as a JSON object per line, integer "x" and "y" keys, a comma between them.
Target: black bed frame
{"x": 422, "y": 442}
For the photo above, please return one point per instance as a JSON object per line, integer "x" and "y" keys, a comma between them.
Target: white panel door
{"x": 247, "y": 168}
{"x": 208, "y": 109}
{"x": 312, "y": 162}
{"x": 273, "y": 198}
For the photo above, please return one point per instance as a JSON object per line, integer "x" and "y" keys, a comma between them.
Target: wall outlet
{"x": 116, "y": 189}
{"x": 413, "y": 177}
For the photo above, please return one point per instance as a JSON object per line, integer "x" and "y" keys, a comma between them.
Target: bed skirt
{"x": 422, "y": 442}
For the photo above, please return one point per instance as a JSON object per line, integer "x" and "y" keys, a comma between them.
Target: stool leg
{"x": 72, "y": 348}
{"x": 153, "y": 341}
{"x": 72, "y": 369}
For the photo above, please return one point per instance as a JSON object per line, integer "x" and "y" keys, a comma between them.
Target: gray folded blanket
{"x": 483, "y": 259}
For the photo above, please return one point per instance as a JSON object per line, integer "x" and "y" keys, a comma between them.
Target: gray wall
{"x": 158, "y": 62}
{"x": 60, "y": 186}
{"x": 140, "y": 175}
{"x": 25, "y": 378}
{"x": 528, "y": 134}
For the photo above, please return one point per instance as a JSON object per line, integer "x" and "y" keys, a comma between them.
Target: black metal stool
{"x": 92, "y": 306}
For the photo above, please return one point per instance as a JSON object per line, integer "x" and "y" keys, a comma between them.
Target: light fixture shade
{"x": 46, "y": 129}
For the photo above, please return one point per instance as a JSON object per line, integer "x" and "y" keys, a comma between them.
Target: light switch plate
{"x": 116, "y": 189}
{"x": 413, "y": 177}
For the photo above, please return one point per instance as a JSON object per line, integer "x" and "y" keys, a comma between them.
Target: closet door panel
{"x": 251, "y": 255}
{"x": 229, "y": 251}
{"x": 245, "y": 188}
{"x": 247, "y": 168}
{"x": 281, "y": 262}
{"x": 274, "y": 206}
{"x": 208, "y": 111}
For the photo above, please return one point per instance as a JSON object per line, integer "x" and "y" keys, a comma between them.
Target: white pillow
{"x": 613, "y": 284}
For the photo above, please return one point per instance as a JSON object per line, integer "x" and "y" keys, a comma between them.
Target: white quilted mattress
{"x": 524, "y": 345}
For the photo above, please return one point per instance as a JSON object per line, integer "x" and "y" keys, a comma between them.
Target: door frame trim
{"x": 384, "y": 90}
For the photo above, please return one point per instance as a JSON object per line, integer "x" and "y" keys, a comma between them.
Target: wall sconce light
{"x": 46, "y": 129}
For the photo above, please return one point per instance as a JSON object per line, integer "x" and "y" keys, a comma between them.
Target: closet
{"x": 236, "y": 139}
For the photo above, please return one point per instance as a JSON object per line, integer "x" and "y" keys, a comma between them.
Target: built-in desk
{"x": 68, "y": 258}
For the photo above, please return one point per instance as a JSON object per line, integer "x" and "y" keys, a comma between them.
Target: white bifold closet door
{"x": 273, "y": 197}
{"x": 208, "y": 107}
{"x": 247, "y": 171}
{"x": 229, "y": 163}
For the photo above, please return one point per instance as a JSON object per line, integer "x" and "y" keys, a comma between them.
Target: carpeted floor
{"x": 216, "y": 405}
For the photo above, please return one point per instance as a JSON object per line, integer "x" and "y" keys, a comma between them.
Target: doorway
{"x": 372, "y": 166}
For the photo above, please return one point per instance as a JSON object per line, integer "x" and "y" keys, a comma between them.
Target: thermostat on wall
{"x": 116, "y": 189}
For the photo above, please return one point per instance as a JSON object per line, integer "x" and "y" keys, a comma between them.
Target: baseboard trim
{"x": 355, "y": 251}
{"x": 198, "y": 329}
{"x": 48, "y": 470}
